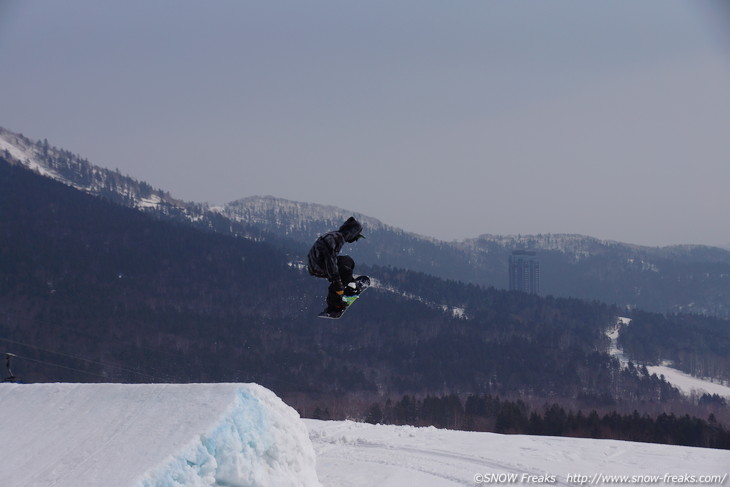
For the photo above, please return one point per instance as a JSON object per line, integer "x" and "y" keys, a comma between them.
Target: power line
{"x": 76, "y": 331}
{"x": 59, "y": 366}
{"x": 95, "y": 362}
{"x": 8, "y": 316}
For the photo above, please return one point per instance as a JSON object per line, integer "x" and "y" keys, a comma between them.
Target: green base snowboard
{"x": 363, "y": 282}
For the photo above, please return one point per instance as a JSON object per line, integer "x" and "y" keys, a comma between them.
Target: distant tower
{"x": 524, "y": 272}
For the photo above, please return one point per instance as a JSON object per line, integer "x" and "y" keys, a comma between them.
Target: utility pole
{"x": 10, "y": 377}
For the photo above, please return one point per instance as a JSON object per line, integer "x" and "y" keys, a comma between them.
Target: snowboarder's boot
{"x": 357, "y": 286}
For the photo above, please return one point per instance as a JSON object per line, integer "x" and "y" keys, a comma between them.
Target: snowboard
{"x": 362, "y": 282}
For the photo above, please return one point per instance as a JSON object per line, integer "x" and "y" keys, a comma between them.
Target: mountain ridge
{"x": 43, "y": 158}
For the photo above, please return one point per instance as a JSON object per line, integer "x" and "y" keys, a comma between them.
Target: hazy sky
{"x": 446, "y": 118}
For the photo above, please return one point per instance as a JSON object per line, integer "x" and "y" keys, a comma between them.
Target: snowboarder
{"x": 324, "y": 261}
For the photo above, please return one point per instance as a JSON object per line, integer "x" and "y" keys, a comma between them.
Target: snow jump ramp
{"x": 161, "y": 435}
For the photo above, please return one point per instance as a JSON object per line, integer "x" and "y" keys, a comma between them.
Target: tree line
{"x": 698, "y": 345}
{"x": 489, "y": 413}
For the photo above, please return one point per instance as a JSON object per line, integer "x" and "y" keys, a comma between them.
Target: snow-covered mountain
{"x": 280, "y": 215}
{"x": 275, "y": 214}
{"x": 197, "y": 435}
{"x": 79, "y": 173}
{"x": 578, "y": 246}
{"x": 289, "y": 216}
{"x": 688, "y": 278}
{"x": 296, "y": 220}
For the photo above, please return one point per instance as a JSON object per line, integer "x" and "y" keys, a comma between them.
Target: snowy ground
{"x": 362, "y": 455}
{"x": 242, "y": 435}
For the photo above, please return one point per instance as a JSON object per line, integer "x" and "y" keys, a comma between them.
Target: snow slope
{"x": 159, "y": 435}
{"x": 25, "y": 152}
{"x": 686, "y": 383}
{"x": 363, "y": 455}
{"x": 689, "y": 384}
{"x": 242, "y": 435}
{"x": 78, "y": 173}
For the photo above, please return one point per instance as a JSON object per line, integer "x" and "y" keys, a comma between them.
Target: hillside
{"x": 680, "y": 279}
{"x": 138, "y": 298}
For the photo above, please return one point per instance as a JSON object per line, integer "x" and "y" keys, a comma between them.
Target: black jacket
{"x": 322, "y": 258}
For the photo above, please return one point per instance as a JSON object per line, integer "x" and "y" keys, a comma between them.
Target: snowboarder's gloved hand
{"x": 338, "y": 287}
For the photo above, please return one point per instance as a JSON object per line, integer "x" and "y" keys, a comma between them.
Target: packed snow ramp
{"x": 151, "y": 435}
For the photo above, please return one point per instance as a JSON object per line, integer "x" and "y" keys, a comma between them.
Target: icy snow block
{"x": 157, "y": 435}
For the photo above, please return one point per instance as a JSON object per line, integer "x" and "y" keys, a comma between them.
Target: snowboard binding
{"x": 351, "y": 294}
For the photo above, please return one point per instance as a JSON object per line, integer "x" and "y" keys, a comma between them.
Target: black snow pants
{"x": 345, "y": 265}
